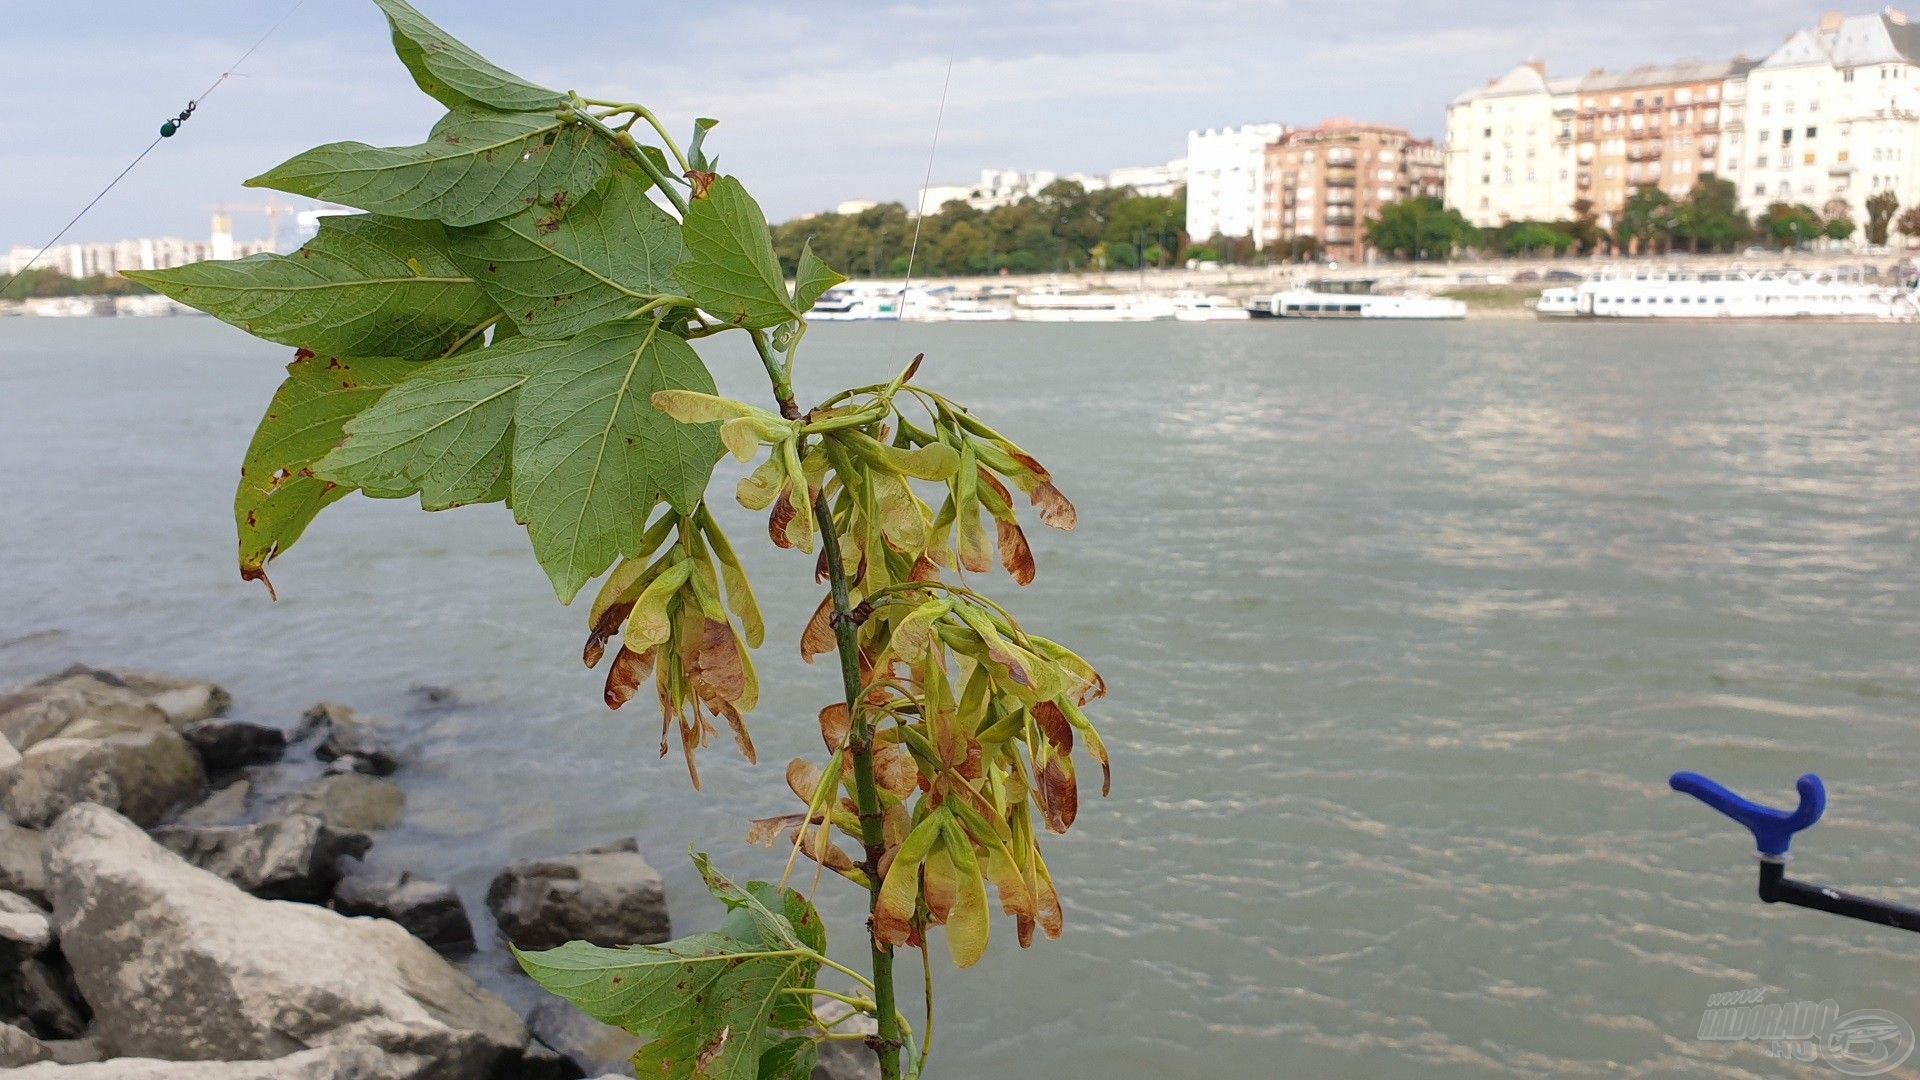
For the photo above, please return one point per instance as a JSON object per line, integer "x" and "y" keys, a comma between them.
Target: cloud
{"x": 818, "y": 102}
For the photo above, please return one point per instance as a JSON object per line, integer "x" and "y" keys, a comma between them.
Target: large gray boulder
{"x": 180, "y": 964}
{"x": 349, "y": 737}
{"x": 326, "y": 1063}
{"x": 609, "y": 896}
{"x": 23, "y": 866}
{"x": 430, "y": 910}
{"x": 297, "y": 857}
{"x": 591, "y": 1045}
{"x": 185, "y": 701}
{"x": 349, "y": 800}
{"x": 26, "y": 928}
{"x": 19, "y": 1047}
{"x": 77, "y": 703}
{"x": 143, "y": 773}
{"x": 227, "y": 745}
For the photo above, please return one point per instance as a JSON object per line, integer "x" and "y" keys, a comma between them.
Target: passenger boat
{"x": 1193, "y": 307}
{"x": 857, "y": 302}
{"x": 1091, "y": 307}
{"x": 1658, "y": 293}
{"x": 1353, "y": 300}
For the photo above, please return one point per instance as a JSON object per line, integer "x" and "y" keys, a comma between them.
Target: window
{"x": 1812, "y": 132}
{"x": 1810, "y": 159}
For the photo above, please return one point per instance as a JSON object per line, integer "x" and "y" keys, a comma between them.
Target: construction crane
{"x": 223, "y": 221}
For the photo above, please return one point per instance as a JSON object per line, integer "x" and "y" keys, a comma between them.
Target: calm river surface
{"x": 1406, "y": 627}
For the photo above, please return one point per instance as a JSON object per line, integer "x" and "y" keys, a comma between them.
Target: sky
{"x": 818, "y": 102}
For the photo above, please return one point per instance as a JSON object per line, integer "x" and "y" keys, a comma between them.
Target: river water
{"x": 1406, "y": 626}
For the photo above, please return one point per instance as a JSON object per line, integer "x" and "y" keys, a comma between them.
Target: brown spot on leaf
{"x": 701, "y": 181}
{"x": 303, "y": 355}
{"x": 895, "y": 771}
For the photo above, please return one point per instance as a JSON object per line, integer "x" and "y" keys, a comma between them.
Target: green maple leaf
{"x": 712, "y": 1006}
{"x": 366, "y": 285}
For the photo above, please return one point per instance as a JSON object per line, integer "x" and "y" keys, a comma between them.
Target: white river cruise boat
{"x": 857, "y": 302}
{"x": 1353, "y": 300}
{"x": 1651, "y": 293}
{"x": 1091, "y": 307}
{"x": 1193, "y": 307}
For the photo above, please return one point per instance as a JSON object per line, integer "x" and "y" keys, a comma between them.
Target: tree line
{"x": 1652, "y": 222}
{"x": 1064, "y": 227}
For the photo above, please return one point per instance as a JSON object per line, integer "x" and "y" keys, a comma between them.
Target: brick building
{"x": 1659, "y": 125}
{"x": 1325, "y": 182}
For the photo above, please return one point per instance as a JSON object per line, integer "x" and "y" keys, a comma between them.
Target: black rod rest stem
{"x": 1777, "y": 888}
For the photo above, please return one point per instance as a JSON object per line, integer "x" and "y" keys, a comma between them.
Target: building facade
{"x": 1660, "y": 126}
{"x": 1832, "y": 117}
{"x": 1510, "y": 153}
{"x": 1324, "y": 183}
{"x": 1161, "y": 181}
{"x": 1227, "y": 181}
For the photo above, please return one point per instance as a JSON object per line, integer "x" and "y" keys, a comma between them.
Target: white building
{"x": 1833, "y": 116}
{"x": 1510, "y": 150}
{"x": 998, "y": 187}
{"x": 1227, "y": 181}
{"x": 1151, "y": 181}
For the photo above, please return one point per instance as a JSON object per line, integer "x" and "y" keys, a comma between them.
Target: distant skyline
{"x": 836, "y": 100}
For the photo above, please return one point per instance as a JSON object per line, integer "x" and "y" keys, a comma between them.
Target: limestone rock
{"x": 345, "y": 734}
{"x": 23, "y": 861}
{"x": 228, "y": 806}
{"x": 185, "y": 701}
{"x": 350, "y": 800}
{"x": 227, "y": 745}
{"x": 143, "y": 774}
{"x": 19, "y": 1047}
{"x": 76, "y": 703}
{"x": 26, "y": 929}
{"x": 39, "y": 995}
{"x": 182, "y": 965}
{"x": 289, "y": 858}
{"x": 609, "y": 896}
{"x": 325, "y": 1063}
{"x": 430, "y": 910}
{"x": 593, "y": 1046}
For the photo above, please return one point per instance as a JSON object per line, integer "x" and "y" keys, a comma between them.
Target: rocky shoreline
{"x": 182, "y": 895}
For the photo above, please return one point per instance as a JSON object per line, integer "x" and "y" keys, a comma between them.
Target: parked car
{"x": 1563, "y": 275}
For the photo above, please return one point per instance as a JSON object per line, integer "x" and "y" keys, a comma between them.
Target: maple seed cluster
{"x": 973, "y": 721}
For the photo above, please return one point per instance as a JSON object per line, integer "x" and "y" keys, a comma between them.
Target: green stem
{"x": 866, "y": 792}
{"x": 887, "y": 1044}
{"x": 624, "y": 143}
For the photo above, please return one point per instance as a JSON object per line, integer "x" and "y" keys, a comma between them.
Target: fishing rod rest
{"x": 1773, "y": 831}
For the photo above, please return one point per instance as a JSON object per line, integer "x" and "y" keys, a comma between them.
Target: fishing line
{"x": 167, "y": 131}
{"x": 920, "y": 205}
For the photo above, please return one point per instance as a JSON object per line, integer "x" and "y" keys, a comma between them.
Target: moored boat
{"x": 1658, "y": 293}
{"x": 1355, "y": 300}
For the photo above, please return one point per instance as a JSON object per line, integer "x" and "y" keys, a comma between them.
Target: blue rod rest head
{"x": 1772, "y": 829}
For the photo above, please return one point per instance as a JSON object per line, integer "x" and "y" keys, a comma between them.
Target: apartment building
{"x": 1510, "y": 148}
{"x": 1832, "y": 117}
{"x": 1325, "y": 182}
{"x": 1658, "y": 125}
{"x": 1227, "y": 181}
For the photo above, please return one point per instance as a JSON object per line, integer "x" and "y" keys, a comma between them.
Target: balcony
{"x": 1645, "y": 152}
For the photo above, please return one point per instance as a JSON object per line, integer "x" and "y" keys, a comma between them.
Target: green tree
{"x": 1647, "y": 222}
{"x": 1536, "y": 238}
{"x": 1711, "y": 219}
{"x": 1839, "y": 228}
{"x": 1881, "y": 207}
{"x": 514, "y": 319}
{"x": 1419, "y": 228}
{"x": 1787, "y": 225}
{"x": 1909, "y": 224}
{"x": 1584, "y": 228}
